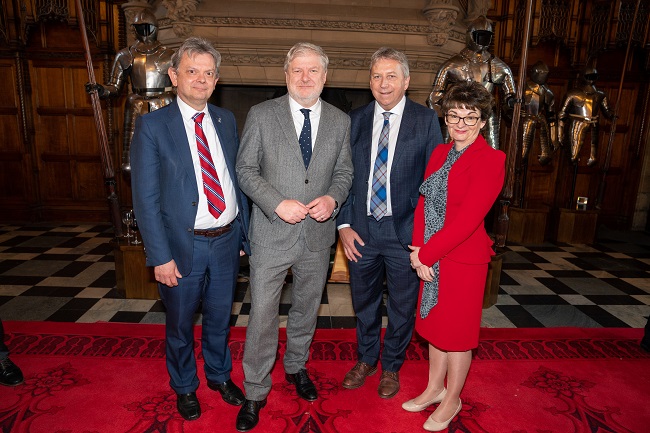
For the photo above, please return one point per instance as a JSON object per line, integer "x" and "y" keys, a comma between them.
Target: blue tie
{"x": 378, "y": 204}
{"x": 305, "y": 138}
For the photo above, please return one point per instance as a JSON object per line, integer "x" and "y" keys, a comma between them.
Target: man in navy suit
{"x": 194, "y": 220}
{"x": 392, "y": 139}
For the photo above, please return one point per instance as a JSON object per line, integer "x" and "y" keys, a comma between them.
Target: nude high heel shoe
{"x": 431, "y": 425}
{"x": 412, "y": 406}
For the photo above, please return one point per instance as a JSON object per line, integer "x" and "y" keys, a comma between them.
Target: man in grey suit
{"x": 294, "y": 164}
{"x": 392, "y": 139}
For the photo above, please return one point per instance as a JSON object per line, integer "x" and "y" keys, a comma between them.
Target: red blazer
{"x": 475, "y": 181}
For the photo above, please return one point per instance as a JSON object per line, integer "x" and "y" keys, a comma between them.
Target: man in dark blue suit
{"x": 392, "y": 139}
{"x": 194, "y": 220}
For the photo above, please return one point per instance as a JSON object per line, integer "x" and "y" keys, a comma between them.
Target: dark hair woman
{"x": 451, "y": 249}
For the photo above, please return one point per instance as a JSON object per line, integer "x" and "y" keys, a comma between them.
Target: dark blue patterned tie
{"x": 305, "y": 138}
{"x": 378, "y": 204}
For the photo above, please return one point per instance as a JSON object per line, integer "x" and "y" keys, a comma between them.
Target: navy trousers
{"x": 383, "y": 257}
{"x": 212, "y": 281}
{"x": 4, "y": 350}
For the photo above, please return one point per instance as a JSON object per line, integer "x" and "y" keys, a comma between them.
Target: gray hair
{"x": 193, "y": 46}
{"x": 306, "y": 48}
{"x": 391, "y": 54}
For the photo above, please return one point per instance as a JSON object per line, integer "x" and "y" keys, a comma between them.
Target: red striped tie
{"x": 211, "y": 184}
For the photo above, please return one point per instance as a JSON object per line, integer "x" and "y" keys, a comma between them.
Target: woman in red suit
{"x": 451, "y": 249}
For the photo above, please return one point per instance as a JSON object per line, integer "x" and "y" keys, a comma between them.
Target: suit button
{"x": 193, "y": 203}
{"x": 306, "y": 180}
{"x": 190, "y": 230}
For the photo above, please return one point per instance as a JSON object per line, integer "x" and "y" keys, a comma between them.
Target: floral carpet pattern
{"x": 106, "y": 378}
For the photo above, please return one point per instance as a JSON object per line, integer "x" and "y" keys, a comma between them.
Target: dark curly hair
{"x": 468, "y": 95}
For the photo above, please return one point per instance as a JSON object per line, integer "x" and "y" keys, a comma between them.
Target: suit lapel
{"x": 473, "y": 152}
{"x": 226, "y": 147}
{"x": 365, "y": 136}
{"x": 176, "y": 129}
{"x": 285, "y": 120}
{"x": 325, "y": 124}
{"x": 405, "y": 129}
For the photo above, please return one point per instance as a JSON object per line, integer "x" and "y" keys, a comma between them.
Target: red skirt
{"x": 453, "y": 324}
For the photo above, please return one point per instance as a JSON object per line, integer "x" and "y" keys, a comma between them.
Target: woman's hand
{"x": 425, "y": 273}
{"x": 415, "y": 260}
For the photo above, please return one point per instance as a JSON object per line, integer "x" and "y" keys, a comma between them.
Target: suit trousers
{"x": 4, "y": 350}
{"x": 383, "y": 255}
{"x": 215, "y": 264}
{"x": 268, "y": 269}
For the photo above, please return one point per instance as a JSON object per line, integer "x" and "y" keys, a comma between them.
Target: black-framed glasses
{"x": 452, "y": 119}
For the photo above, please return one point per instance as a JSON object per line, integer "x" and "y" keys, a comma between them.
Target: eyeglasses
{"x": 452, "y": 119}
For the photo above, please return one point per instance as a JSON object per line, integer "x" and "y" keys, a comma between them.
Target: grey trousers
{"x": 268, "y": 269}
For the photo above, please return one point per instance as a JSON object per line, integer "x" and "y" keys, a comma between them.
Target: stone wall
{"x": 254, "y": 35}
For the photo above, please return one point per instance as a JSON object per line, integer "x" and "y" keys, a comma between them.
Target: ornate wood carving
{"x": 56, "y": 10}
{"x": 625, "y": 17}
{"x": 598, "y": 34}
{"x": 552, "y": 23}
{"x": 4, "y": 32}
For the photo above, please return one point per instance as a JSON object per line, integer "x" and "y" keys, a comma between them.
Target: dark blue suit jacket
{"x": 419, "y": 133}
{"x": 165, "y": 192}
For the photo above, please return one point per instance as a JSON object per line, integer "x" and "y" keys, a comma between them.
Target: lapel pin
{"x": 219, "y": 119}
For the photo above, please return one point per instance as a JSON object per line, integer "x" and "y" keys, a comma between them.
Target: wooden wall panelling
{"x": 66, "y": 143}
{"x": 14, "y": 162}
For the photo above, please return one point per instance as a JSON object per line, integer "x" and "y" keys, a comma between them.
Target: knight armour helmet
{"x": 479, "y": 34}
{"x": 589, "y": 74}
{"x": 539, "y": 72}
{"x": 146, "y": 26}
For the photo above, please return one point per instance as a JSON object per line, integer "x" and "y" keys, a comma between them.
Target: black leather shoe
{"x": 188, "y": 406}
{"x": 249, "y": 414}
{"x": 230, "y": 392}
{"x": 10, "y": 374}
{"x": 304, "y": 386}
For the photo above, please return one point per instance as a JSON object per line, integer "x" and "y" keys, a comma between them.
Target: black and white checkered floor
{"x": 67, "y": 273}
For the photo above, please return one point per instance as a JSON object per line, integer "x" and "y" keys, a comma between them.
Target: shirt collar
{"x": 188, "y": 112}
{"x": 397, "y": 110}
{"x": 294, "y": 106}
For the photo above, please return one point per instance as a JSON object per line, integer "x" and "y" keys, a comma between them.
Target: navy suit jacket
{"x": 165, "y": 192}
{"x": 419, "y": 134}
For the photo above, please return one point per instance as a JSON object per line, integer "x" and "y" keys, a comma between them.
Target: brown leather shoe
{"x": 388, "y": 384}
{"x": 357, "y": 376}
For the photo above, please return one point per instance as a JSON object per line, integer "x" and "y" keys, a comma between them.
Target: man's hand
{"x": 167, "y": 274}
{"x": 291, "y": 211}
{"x": 321, "y": 208}
{"x": 348, "y": 237}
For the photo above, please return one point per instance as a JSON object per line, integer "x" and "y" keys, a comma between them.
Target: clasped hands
{"x": 293, "y": 211}
{"x": 425, "y": 273}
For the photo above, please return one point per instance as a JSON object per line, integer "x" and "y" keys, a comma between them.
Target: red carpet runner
{"x": 105, "y": 378}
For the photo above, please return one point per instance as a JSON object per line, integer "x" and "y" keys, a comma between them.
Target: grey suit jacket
{"x": 270, "y": 169}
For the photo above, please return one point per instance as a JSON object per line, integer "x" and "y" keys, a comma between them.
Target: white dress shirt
{"x": 299, "y": 118}
{"x": 204, "y": 219}
{"x": 395, "y": 121}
